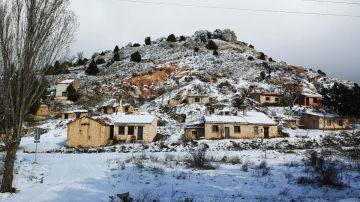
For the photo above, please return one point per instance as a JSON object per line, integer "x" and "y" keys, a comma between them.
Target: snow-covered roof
{"x": 322, "y": 114}
{"x": 77, "y": 111}
{"x": 308, "y": 93}
{"x": 67, "y": 81}
{"x": 142, "y": 118}
{"x": 251, "y": 117}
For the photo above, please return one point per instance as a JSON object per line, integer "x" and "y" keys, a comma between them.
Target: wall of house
{"x": 203, "y": 100}
{"x": 43, "y": 111}
{"x": 126, "y": 109}
{"x": 73, "y": 115}
{"x": 246, "y": 131}
{"x": 60, "y": 88}
{"x": 86, "y": 132}
{"x": 109, "y": 110}
{"x": 150, "y": 131}
{"x": 315, "y": 122}
{"x": 190, "y": 136}
{"x": 302, "y": 101}
{"x": 174, "y": 103}
{"x": 272, "y": 100}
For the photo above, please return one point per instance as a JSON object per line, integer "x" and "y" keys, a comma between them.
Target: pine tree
{"x": 92, "y": 69}
{"x": 136, "y": 57}
{"x": 171, "y": 38}
{"x": 148, "y": 41}
{"x": 212, "y": 45}
{"x": 117, "y": 56}
{"x": 116, "y": 49}
{"x": 72, "y": 94}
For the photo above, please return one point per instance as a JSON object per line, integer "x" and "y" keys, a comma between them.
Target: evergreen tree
{"x": 100, "y": 61}
{"x": 116, "y": 49}
{"x": 117, "y": 56}
{"x": 182, "y": 38}
{"x": 148, "y": 41}
{"x": 171, "y": 38}
{"x": 135, "y": 57}
{"x": 212, "y": 45}
{"x": 262, "y": 75}
{"x": 72, "y": 94}
{"x": 92, "y": 69}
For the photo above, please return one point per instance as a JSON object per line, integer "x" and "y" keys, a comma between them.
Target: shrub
{"x": 116, "y": 49}
{"x": 92, "y": 69}
{"x": 271, "y": 60}
{"x": 196, "y": 49}
{"x": 212, "y": 45}
{"x": 117, "y": 56}
{"x": 135, "y": 57}
{"x": 80, "y": 62}
{"x": 216, "y": 53}
{"x": 263, "y": 169}
{"x": 250, "y": 58}
{"x": 182, "y": 38}
{"x": 261, "y": 56}
{"x": 136, "y": 45}
{"x": 102, "y": 53}
{"x": 197, "y": 158}
{"x": 262, "y": 75}
{"x": 72, "y": 94}
{"x": 251, "y": 46}
{"x": 321, "y": 73}
{"x": 148, "y": 41}
{"x": 171, "y": 38}
{"x": 100, "y": 61}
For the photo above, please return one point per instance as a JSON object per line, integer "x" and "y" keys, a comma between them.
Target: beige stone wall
{"x": 73, "y": 115}
{"x": 247, "y": 131}
{"x": 315, "y": 122}
{"x": 62, "y": 87}
{"x": 302, "y": 101}
{"x": 43, "y": 111}
{"x": 203, "y": 100}
{"x": 150, "y": 131}
{"x": 190, "y": 136}
{"x": 109, "y": 110}
{"x": 174, "y": 103}
{"x": 86, "y": 132}
{"x": 271, "y": 101}
{"x": 125, "y": 109}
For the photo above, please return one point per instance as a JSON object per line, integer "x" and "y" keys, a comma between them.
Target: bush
{"x": 136, "y": 45}
{"x": 262, "y": 75}
{"x": 148, "y": 41}
{"x": 250, "y": 58}
{"x": 251, "y": 46}
{"x": 117, "y": 56}
{"x": 135, "y": 57}
{"x": 261, "y": 56}
{"x": 72, "y": 94}
{"x": 197, "y": 158}
{"x": 196, "y": 49}
{"x": 212, "y": 45}
{"x": 271, "y": 60}
{"x": 216, "y": 53}
{"x": 58, "y": 68}
{"x": 263, "y": 169}
{"x": 182, "y": 38}
{"x": 171, "y": 38}
{"x": 116, "y": 49}
{"x": 102, "y": 53}
{"x": 92, "y": 69}
{"x": 100, "y": 61}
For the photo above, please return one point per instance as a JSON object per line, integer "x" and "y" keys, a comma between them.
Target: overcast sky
{"x": 319, "y": 42}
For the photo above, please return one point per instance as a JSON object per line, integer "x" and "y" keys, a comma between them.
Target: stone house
{"x": 112, "y": 107}
{"x": 267, "y": 99}
{"x": 43, "y": 111}
{"x": 143, "y": 126}
{"x": 198, "y": 99}
{"x": 251, "y": 124}
{"x": 89, "y": 132}
{"x": 310, "y": 99}
{"x": 75, "y": 114}
{"x": 324, "y": 121}
{"x": 194, "y": 131}
{"x": 293, "y": 87}
{"x": 61, "y": 88}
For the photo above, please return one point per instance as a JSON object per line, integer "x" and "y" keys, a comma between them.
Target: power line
{"x": 243, "y": 9}
{"x": 334, "y": 2}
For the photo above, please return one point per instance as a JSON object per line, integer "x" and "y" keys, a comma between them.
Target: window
{"x": 121, "y": 130}
{"x": 267, "y": 98}
{"x": 256, "y": 130}
{"x": 237, "y": 129}
{"x": 130, "y": 130}
{"x": 328, "y": 121}
{"x": 64, "y": 94}
{"x": 197, "y": 99}
{"x": 78, "y": 115}
{"x": 276, "y": 99}
{"x": 215, "y": 128}
{"x": 315, "y": 100}
{"x": 341, "y": 122}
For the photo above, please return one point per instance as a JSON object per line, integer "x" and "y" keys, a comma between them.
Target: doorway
{"x": 266, "y": 133}
{"x": 140, "y": 133}
{"x": 227, "y": 133}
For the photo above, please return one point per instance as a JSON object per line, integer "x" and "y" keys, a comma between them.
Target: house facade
{"x": 89, "y": 132}
{"x": 61, "y": 88}
{"x": 43, "y": 110}
{"x": 267, "y": 99}
{"x": 310, "y": 99}
{"x": 75, "y": 114}
{"x": 194, "y": 131}
{"x": 249, "y": 125}
{"x": 324, "y": 121}
{"x": 198, "y": 99}
{"x": 143, "y": 126}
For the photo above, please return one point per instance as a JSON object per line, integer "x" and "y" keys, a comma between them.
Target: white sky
{"x": 318, "y": 42}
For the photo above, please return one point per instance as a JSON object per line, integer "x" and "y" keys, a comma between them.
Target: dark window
{"x": 315, "y": 100}
{"x": 341, "y": 122}
{"x": 237, "y": 129}
{"x": 267, "y": 98}
{"x": 121, "y": 130}
{"x": 194, "y": 132}
{"x": 276, "y": 99}
{"x": 130, "y": 130}
{"x": 78, "y": 115}
{"x": 111, "y": 132}
{"x": 215, "y": 128}
{"x": 64, "y": 94}
{"x": 197, "y": 99}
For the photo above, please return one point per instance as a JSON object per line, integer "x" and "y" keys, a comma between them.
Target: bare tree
{"x": 33, "y": 34}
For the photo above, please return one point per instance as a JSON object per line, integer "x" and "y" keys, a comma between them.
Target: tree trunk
{"x": 6, "y": 185}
